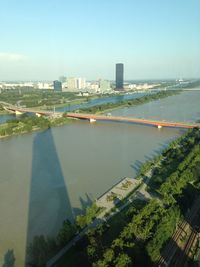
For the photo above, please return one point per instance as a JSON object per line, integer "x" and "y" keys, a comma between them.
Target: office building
{"x": 104, "y": 86}
{"x": 57, "y": 86}
{"x": 71, "y": 83}
{"x": 119, "y": 76}
{"x": 81, "y": 83}
{"x": 76, "y": 83}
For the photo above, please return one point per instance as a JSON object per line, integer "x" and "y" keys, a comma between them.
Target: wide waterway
{"x": 48, "y": 176}
{"x": 88, "y": 104}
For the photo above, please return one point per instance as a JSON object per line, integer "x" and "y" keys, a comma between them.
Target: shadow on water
{"x": 9, "y": 259}
{"x": 49, "y": 203}
{"x": 137, "y": 165}
{"x": 87, "y": 202}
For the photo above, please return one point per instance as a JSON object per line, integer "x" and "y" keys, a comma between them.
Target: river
{"x": 90, "y": 103}
{"x": 52, "y": 175}
{"x": 104, "y": 100}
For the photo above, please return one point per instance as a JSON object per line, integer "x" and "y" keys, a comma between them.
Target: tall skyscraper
{"x": 119, "y": 76}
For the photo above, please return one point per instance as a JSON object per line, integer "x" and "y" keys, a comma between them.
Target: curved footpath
{"x": 138, "y": 194}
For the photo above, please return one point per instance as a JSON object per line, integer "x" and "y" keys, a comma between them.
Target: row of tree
{"x": 29, "y": 123}
{"x": 34, "y": 98}
{"x": 146, "y": 226}
{"x": 147, "y": 231}
{"x": 130, "y": 102}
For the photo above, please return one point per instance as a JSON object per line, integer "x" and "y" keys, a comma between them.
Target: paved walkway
{"x": 118, "y": 192}
{"x": 121, "y": 189}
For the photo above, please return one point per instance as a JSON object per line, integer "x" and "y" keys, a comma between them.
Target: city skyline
{"x": 43, "y": 40}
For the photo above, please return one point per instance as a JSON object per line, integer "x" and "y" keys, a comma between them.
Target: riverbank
{"x": 28, "y": 124}
{"x": 146, "y": 225}
{"x": 66, "y": 104}
{"x": 51, "y": 107}
{"x": 128, "y": 103}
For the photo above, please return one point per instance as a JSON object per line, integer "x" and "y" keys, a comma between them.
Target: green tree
{"x": 123, "y": 260}
{"x": 109, "y": 255}
{"x": 41, "y": 249}
{"x": 66, "y": 232}
{"x": 9, "y": 259}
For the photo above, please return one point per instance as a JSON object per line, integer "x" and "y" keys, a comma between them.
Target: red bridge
{"x": 149, "y": 122}
{"x": 93, "y": 117}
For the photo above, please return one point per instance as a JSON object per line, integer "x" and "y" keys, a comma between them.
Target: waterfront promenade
{"x": 127, "y": 189}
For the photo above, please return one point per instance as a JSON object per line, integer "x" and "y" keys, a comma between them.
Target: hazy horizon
{"x": 42, "y": 40}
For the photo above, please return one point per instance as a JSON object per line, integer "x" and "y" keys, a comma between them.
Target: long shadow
{"x": 84, "y": 204}
{"x": 49, "y": 203}
{"x": 137, "y": 165}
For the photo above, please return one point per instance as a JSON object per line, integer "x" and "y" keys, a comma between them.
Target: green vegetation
{"x": 39, "y": 98}
{"x": 135, "y": 236}
{"x": 66, "y": 233}
{"x": 179, "y": 157}
{"x": 42, "y": 248}
{"x": 90, "y": 214}
{"x": 9, "y": 259}
{"x": 129, "y": 103}
{"x": 26, "y": 124}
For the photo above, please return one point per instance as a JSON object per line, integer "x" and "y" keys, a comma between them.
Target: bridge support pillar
{"x": 92, "y": 120}
{"x": 159, "y": 126}
{"x": 38, "y": 115}
{"x": 18, "y": 112}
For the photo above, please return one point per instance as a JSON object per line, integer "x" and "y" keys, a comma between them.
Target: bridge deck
{"x": 133, "y": 120}
{"x": 105, "y": 117}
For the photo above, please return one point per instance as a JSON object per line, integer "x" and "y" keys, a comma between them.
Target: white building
{"x": 104, "y": 86}
{"x": 44, "y": 85}
{"x": 71, "y": 83}
{"x": 81, "y": 83}
{"x": 74, "y": 84}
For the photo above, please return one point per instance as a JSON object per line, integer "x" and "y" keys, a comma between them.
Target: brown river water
{"x": 46, "y": 177}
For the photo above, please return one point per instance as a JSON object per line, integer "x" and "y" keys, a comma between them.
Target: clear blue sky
{"x": 43, "y": 39}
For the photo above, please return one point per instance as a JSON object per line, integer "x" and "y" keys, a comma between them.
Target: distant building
{"x": 81, "y": 83}
{"x": 104, "y": 86}
{"x": 57, "y": 86}
{"x": 93, "y": 86}
{"x": 44, "y": 85}
{"x": 71, "y": 83}
{"x": 76, "y": 83}
{"x": 119, "y": 76}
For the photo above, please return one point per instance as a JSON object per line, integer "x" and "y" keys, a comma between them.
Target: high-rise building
{"x": 81, "y": 83}
{"x": 119, "y": 76}
{"x": 104, "y": 85}
{"x": 57, "y": 86}
{"x": 76, "y": 83}
{"x": 71, "y": 83}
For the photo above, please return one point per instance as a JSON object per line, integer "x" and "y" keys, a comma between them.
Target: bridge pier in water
{"x": 18, "y": 112}
{"x": 38, "y": 115}
{"x": 92, "y": 120}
